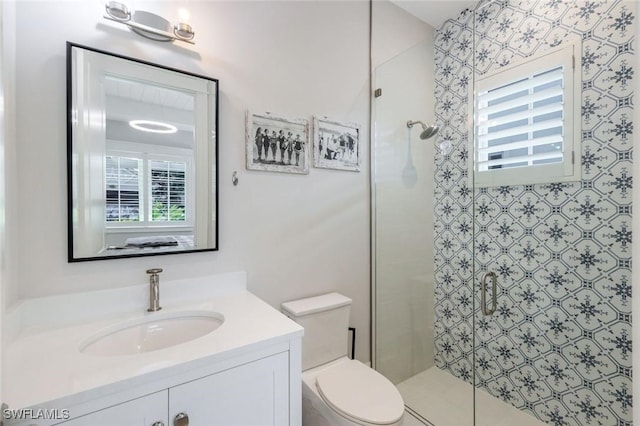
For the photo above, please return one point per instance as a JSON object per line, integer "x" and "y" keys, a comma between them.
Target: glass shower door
{"x": 412, "y": 309}
{"x": 551, "y": 253}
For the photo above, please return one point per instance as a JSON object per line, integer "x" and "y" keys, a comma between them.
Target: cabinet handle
{"x": 158, "y": 424}
{"x": 181, "y": 420}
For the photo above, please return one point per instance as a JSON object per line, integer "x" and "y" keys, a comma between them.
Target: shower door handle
{"x": 483, "y": 293}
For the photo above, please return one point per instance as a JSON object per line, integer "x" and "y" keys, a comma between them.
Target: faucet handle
{"x": 154, "y": 270}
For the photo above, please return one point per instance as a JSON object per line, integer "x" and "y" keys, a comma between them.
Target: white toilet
{"x": 338, "y": 391}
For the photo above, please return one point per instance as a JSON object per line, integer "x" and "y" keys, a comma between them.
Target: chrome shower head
{"x": 444, "y": 145}
{"x": 427, "y": 131}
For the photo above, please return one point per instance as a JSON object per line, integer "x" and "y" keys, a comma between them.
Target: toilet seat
{"x": 360, "y": 394}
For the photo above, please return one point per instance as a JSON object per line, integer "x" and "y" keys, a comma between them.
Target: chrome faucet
{"x": 154, "y": 289}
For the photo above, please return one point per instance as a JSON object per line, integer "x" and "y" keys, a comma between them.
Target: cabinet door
{"x": 144, "y": 411}
{"x": 253, "y": 394}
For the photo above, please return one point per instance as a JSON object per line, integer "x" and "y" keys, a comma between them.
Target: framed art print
{"x": 277, "y": 144}
{"x": 336, "y": 145}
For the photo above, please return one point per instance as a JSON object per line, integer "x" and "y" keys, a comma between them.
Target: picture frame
{"x": 277, "y": 144}
{"x": 336, "y": 145}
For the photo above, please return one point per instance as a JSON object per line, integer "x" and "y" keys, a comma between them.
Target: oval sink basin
{"x": 152, "y": 333}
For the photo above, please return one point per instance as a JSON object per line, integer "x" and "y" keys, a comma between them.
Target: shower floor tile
{"x": 445, "y": 400}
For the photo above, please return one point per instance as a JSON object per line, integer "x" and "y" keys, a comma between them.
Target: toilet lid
{"x": 360, "y": 393}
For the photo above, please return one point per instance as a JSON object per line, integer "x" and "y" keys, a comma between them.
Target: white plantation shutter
{"x": 525, "y": 122}
{"x": 124, "y": 187}
{"x": 168, "y": 191}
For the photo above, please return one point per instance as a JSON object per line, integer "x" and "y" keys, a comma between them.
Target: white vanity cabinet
{"x": 144, "y": 411}
{"x": 246, "y": 372}
{"x": 253, "y": 394}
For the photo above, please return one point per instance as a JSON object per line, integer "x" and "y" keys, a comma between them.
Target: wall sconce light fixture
{"x": 148, "y": 24}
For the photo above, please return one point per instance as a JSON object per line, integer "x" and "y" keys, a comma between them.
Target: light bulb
{"x": 184, "y": 15}
{"x": 118, "y": 11}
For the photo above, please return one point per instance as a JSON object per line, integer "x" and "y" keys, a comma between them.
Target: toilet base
{"x": 318, "y": 416}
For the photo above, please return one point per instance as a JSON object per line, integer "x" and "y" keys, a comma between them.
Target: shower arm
{"x": 411, "y": 123}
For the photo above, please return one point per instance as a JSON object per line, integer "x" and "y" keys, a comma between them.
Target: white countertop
{"x": 43, "y": 364}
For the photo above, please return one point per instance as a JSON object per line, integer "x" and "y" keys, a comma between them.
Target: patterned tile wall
{"x": 559, "y": 345}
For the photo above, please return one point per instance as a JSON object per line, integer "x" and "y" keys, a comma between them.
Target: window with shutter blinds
{"x": 143, "y": 192}
{"x": 527, "y": 130}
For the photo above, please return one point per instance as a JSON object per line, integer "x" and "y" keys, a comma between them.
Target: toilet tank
{"x": 325, "y": 320}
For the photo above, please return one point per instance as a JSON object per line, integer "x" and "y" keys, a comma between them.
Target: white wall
{"x": 295, "y": 235}
{"x": 2, "y": 200}
{"x": 8, "y": 190}
{"x": 394, "y": 31}
{"x": 403, "y": 53}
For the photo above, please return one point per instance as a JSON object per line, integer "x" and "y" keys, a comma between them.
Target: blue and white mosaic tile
{"x": 559, "y": 344}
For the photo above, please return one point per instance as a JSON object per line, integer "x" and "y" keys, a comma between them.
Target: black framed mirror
{"x": 142, "y": 157}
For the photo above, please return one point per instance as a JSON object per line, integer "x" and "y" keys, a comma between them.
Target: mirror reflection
{"x": 142, "y": 158}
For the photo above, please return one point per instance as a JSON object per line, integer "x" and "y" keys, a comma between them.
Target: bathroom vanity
{"x": 75, "y": 362}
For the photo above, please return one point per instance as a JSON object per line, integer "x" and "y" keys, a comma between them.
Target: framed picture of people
{"x": 336, "y": 145}
{"x": 277, "y": 144}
